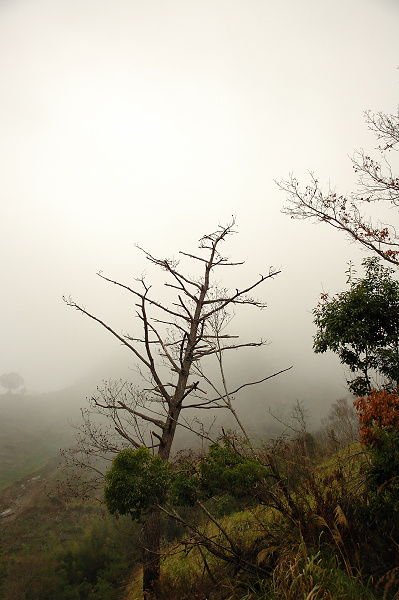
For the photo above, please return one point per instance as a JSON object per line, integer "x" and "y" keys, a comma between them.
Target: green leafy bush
{"x": 135, "y": 482}
{"x": 226, "y": 470}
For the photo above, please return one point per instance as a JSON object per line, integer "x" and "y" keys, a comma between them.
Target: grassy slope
{"x": 267, "y": 539}
{"x": 47, "y": 541}
{"x": 32, "y": 430}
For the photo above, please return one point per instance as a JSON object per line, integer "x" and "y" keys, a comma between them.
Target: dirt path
{"x": 21, "y": 495}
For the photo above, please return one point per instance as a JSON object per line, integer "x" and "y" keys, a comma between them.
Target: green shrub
{"x": 135, "y": 482}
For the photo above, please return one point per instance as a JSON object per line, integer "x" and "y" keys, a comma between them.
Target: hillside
{"x": 311, "y": 537}
{"x": 308, "y": 528}
{"x": 51, "y": 549}
{"x": 32, "y": 430}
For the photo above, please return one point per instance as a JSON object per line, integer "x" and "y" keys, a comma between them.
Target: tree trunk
{"x": 151, "y": 553}
{"x": 151, "y": 534}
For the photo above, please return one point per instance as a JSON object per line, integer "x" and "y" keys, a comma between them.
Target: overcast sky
{"x": 152, "y": 121}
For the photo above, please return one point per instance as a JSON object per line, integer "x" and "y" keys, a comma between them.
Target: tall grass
{"x": 302, "y": 539}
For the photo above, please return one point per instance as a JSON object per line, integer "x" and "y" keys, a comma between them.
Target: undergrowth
{"x": 315, "y": 527}
{"x": 302, "y": 535}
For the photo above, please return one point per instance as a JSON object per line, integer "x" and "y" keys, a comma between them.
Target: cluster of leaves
{"x": 383, "y": 478}
{"x": 361, "y": 325}
{"x": 378, "y": 413}
{"x": 222, "y": 470}
{"x": 379, "y": 426}
{"x": 225, "y": 469}
{"x": 138, "y": 480}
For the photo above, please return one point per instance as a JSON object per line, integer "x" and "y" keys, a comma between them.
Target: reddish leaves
{"x": 380, "y": 410}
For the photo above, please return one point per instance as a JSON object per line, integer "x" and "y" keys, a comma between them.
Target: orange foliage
{"x": 379, "y": 410}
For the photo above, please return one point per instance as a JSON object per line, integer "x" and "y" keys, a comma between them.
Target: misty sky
{"x": 150, "y": 122}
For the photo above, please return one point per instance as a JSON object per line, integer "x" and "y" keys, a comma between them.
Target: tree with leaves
{"x": 361, "y": 325}
{"x": 376, "y": 183}
{"x": 173, "y": 351}
{"x": 11, "y": 381}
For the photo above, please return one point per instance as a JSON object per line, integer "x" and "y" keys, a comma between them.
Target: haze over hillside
{"x": 33, "y": 428}
{"x": 153, "y": 122}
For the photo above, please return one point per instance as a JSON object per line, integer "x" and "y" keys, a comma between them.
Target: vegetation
{"x": 32, "y": 431}
{"x": 362, "y": 326}
{"x": 376, "y": 184}
{"x": 306, "y": 515}
{"x": 174, "y": 347}
{"x": 94, "y": 564}
{"x": 293, "y": 518}
{"x": 11, "y": 381}
{"x": 135, "y": 483}
{"x": 310, "y": 529}
{"x": 379, "y": 420}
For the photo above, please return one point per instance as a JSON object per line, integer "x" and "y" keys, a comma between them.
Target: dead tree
{"x": 174, "y": 340}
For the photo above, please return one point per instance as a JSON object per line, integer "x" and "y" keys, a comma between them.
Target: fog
{"x": 152, "y": 122}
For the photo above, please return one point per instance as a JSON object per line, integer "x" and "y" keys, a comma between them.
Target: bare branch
{"x": 149, "y": 300}
{"x": 123, "y": 340}
{"x": 235, "y": 299}
{"x": 127, "y": 437}
{"x": 239, "y": 388}
{"x": 143, "y": 416}
{"x": 376, "y": 183}
{"x": 164, "y": 348}
{"x": 211, "y": 351}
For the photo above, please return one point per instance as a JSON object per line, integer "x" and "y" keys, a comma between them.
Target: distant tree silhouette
{"x": 11, "y": 381}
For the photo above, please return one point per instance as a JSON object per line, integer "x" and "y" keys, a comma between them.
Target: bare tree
{"x": 175, "y": 339}
{"x": 376, "y": 183}
{"x": 341, "y": 426}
